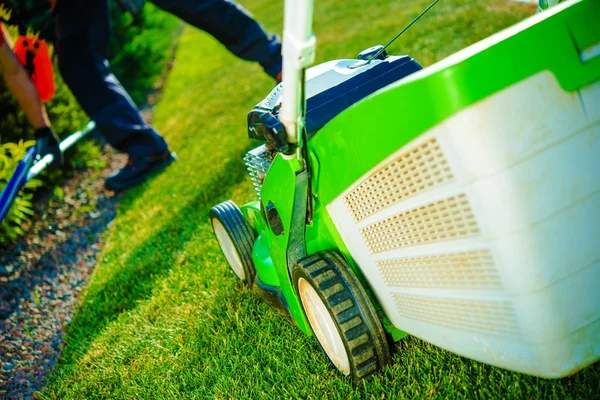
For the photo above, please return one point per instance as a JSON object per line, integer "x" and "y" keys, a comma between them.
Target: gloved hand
{"x": 47, "y": 143}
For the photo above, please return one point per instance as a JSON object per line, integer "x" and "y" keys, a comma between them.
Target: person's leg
{"x": 233, "y": 26}
{"x": 82, "y": 51}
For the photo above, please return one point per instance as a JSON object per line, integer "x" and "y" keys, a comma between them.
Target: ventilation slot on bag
{"x": 447, "y": 219}
{"x": 489, "y": 317}
{"x": 408, "y": 174}
{"x": 473, "y": 270}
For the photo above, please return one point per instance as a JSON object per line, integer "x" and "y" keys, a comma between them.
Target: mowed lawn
{"x": 163, "y": 317}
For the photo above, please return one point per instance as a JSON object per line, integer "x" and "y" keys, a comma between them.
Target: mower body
{"x": 331, "y": 88}
{"x": 464, "y": 196}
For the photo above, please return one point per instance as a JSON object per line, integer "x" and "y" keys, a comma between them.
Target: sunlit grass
{"x": 163, "y": 317}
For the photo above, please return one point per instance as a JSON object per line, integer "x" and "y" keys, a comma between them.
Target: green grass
{"x": 163, "y": 317}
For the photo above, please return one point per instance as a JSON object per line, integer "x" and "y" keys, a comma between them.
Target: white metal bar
{"x": 64, "y": 146}
{"x": 298, "y": 53}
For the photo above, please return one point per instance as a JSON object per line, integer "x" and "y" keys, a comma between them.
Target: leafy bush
{"x": 19, "y": 213}
{"x": 144, "y": 47}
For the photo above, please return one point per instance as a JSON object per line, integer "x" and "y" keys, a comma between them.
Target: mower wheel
{"x": 235, "y": 238}
{"x": 341, "y": 315}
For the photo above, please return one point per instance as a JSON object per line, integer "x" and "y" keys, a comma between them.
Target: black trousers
{"x": 83, "y": 31}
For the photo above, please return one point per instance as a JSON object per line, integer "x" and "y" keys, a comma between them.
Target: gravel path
{"x": 42, "y": 276}
{"x": 44, "y": 273}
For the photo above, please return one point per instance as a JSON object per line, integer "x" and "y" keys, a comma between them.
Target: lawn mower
{"x": 459, "y": 203}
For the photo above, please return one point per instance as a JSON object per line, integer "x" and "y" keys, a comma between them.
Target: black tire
{"x": 349, "y": 309}
{"x": 235, "y": 238}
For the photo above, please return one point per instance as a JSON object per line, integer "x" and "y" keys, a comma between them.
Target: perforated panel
{"x": 425, "y": 260}
{"x": 491, "y": 317}
{"x": 410, "y": 173}
{"x": 475, "y": 269}
{"x": 451, "y": 218}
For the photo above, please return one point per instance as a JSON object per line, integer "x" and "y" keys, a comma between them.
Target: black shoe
{"x": 138, "y": 169}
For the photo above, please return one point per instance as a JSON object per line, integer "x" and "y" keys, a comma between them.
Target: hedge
{"x": 143, "y": 48}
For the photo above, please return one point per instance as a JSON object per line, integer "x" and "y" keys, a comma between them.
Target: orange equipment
{"x": 33, "y": 53}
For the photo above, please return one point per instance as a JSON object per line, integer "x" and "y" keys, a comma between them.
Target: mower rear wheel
{"x": 341, "y": 315}
{"x": 235, "y": 238}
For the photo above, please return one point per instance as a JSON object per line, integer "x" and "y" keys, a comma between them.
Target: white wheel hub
{"x": 228, "y": 248}
{"x": 323, "y": 326}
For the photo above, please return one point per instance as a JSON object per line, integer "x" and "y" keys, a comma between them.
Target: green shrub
{"x": 144, "y": 48}
{"x": 19, "y": 213}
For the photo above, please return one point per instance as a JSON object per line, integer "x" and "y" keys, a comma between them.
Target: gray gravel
{"x": 43, "y": 275}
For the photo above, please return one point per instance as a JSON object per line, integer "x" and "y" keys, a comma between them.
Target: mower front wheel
{"x": 341, "y": 315}
{"x": 235, "y": 238}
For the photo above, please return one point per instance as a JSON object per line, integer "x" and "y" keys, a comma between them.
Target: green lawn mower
{"x": 457, "y": 203}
